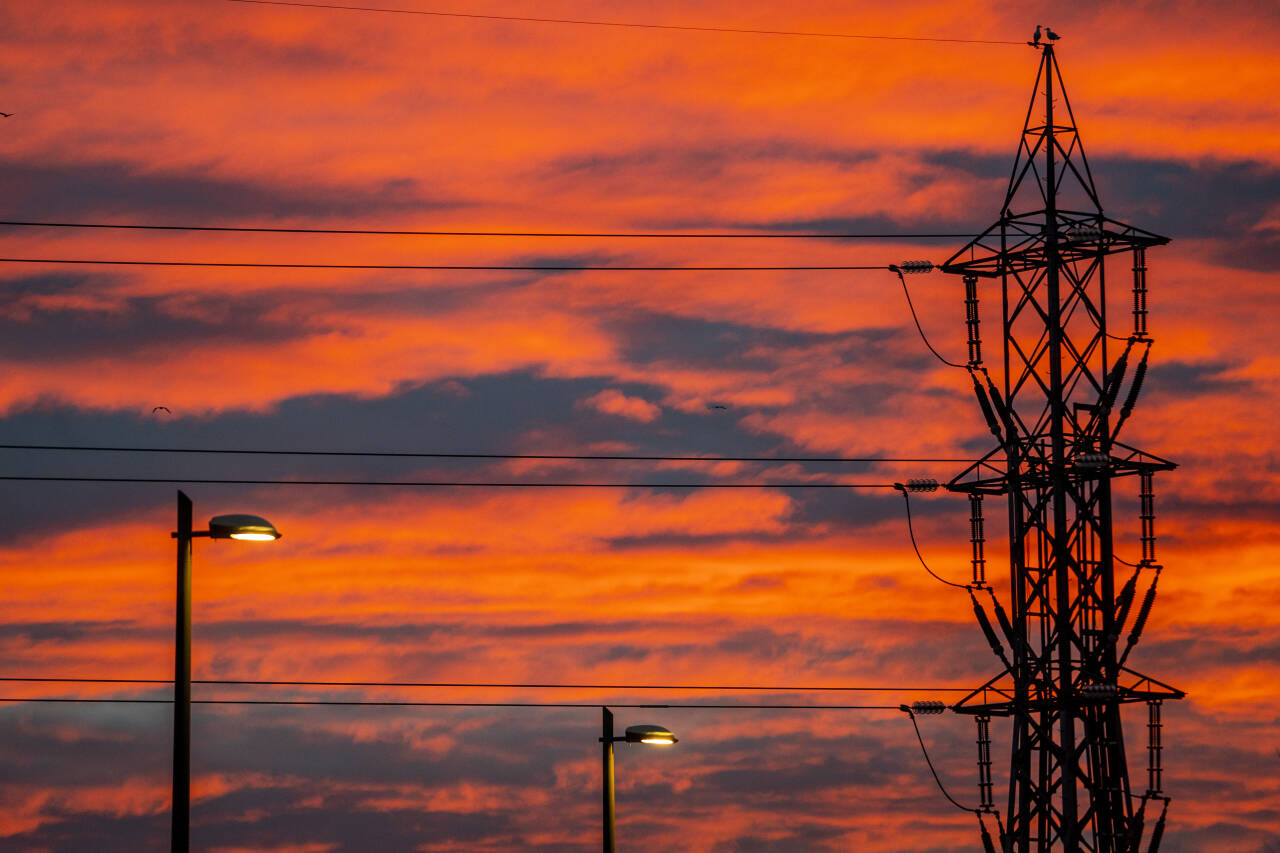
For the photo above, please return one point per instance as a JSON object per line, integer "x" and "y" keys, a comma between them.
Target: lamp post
{"x": 250, "y": 528}
{"x": 634, "y": 734}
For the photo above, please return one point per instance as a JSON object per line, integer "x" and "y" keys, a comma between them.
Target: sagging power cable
{"x": 919, "y": 267}
{"x": 937, "y": 708}
{"x": 921, "y": 486}
{"x": 931, "y": 708}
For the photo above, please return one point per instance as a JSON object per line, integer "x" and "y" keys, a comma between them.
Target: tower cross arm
{"x": 1019, "y": 243}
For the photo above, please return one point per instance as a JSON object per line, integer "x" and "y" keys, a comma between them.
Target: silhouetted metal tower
{"x": 1057, "y": 419}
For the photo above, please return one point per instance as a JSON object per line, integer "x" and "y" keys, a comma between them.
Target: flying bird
{"x": 1035, "y": 42}
{"x": 1051, "y": 34}
{"x": 159, "y": 409}
{"x": 716, "y": 406}
{"x": 6, "y": 115}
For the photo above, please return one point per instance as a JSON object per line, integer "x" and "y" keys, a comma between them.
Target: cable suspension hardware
{"x": 987, "y": 845}
{"x": 986, "y": 788}
{"x": 1124, "y": 601}
{"x": 1155, "y": 748}
{"x": 928, "y": 707}
{"x": 1147, "y": 516}
{"x": 913, "y": 267}
{"x": 977, "y": 539}
{"x": 1115, "y": 377}
{"x": 989, "y": 632}
{"x": 918, "y": 485}
{"x": 1157, "y": 834}
{"x": 1140, "y": 622}
{"x": 1017, "y": 643}
{"x": 1139, "y": 292}
{"x": 1136, "y": 825}
{"x": 971, "y": 319}
{"x": 1002, "y": 408}
{"x": 1139, "y": 374}
{"x": 984, "y": 403}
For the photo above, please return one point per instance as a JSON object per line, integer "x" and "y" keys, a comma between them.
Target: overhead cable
{"x": 624, "y": 24}
{"x": 399, "y": 704}
{"x": 438, "y": 267}
{"x": 912, "y": 714}
{"x": 603, "y": 457}
{"x": 914, "y": 486}
{"x": 919, "y": 267}
{"x": 438, "y": 483}
{"x": 387, "y": 232}
{"x": 473, "y": 684}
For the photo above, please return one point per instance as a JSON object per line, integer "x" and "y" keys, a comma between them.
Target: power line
{"x": 664, "y": 235}
{"x": 910, "y": 304}
{"x": 474, "y": 684}
{"x": 912, "y": 532}
{"x": 440, "y": 483}
{"x": 624, "y": 24}
{"x": 399, "y": 704}
{"x": 924, "y": 750}
{"x": 439, "y": 455}
{"x": 439, "y": 267}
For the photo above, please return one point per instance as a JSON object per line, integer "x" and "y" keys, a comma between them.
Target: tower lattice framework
{"x": 1056, "y": 414}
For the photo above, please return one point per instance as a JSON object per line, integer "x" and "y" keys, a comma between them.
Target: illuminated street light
{"x": 651, "y": 734}
{"x": 249, "y": 528}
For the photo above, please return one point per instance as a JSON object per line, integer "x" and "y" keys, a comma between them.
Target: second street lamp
{"x": 250, "y": 528}
{"x": 635, "y": 734}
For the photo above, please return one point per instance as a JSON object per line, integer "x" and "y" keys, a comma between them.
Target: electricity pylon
{"x": 1057, "y": 418}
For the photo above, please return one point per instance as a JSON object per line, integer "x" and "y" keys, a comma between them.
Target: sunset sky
{"x": 218, "y": 113}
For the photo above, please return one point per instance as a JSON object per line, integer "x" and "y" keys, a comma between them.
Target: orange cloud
{"x": 163, "y": 111}
{"x": 613, "y": 402}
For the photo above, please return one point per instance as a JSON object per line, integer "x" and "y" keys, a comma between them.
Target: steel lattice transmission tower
{"x": 1056, "y": 418}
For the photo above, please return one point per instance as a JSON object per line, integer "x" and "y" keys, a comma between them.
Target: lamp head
{"x": 650, "y": 734}
{"x": 250, "y": 528}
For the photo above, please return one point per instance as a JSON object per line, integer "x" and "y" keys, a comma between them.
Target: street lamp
{"x": 250, "y": 528}
{"x": 635, "y": 734}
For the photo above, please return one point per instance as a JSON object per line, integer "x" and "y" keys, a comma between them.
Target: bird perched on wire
{"x": 1051, "y": 35}
{"x": 1035, "y": 42}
